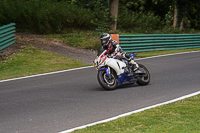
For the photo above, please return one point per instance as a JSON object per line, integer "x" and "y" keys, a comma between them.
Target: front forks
{"x": 107, "y": 71}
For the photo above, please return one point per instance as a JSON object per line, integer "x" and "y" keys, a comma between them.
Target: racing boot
{"x": 128, "y": 69}
{"x": 134, "y": 65}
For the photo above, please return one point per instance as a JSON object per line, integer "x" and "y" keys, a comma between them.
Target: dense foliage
{"x": 44, "y": 16}
{"x": 53, "y": 16}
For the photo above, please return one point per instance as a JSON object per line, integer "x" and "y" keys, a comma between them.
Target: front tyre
{"x": 107, "y": 82}
{"x": 143, "y": 79}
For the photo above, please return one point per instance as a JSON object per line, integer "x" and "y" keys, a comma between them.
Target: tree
{"x": 114, "y": 4}
{"x": 175, "y": 14}
{"x": 180, "y": 11}
{"x": 106, "y": 11}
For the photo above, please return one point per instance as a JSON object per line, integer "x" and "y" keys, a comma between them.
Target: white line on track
{"x": 129, "y": 113}
{"x": 45, "y": 74}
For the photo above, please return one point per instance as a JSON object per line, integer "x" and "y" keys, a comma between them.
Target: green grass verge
{"x": 156, "y": 53}
{"x": 30, "y": 60}
{"x": 179, "y": 117}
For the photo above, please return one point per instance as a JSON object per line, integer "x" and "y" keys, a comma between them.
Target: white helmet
{"x": 106, "y": 37}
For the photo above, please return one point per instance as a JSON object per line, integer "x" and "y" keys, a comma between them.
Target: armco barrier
{"x": 153, "y": 42}
{"x": 7, "y": 36}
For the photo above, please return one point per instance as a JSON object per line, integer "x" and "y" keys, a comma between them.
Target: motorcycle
{"x": 113, "y": 72}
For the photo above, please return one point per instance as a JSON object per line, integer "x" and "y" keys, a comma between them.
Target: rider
{"x": 115, "y": 50}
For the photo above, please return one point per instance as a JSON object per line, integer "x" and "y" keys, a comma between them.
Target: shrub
{"x": 138, "y": 21}
{"x": 44, "y": 16}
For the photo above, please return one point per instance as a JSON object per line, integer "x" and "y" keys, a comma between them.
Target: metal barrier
{"x": 7, "y": 36}
{"x": 153, "y": 42}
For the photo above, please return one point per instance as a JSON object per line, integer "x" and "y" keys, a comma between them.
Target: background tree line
{"x": 53, "y": 16}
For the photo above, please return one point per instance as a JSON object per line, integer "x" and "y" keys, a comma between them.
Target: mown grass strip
{"x": 156, "y": 53}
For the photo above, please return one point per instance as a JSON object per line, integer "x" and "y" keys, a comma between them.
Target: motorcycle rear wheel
{"x": 143, "y": 80}
{"x": 108, "y": 83}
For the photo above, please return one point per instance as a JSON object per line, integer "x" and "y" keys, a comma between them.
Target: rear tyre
{"x": 143, "y": 79}
{"x": 107, "y": 82}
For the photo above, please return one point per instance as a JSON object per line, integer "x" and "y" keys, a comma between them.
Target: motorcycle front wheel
{"x": 107, "y": 82}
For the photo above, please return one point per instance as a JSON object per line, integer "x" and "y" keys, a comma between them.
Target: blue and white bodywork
{"x": 105, "y": 63}
{"x": 113, "y": 72}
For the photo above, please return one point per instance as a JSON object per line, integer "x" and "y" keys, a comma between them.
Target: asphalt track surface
{"x": 57, "y": 102}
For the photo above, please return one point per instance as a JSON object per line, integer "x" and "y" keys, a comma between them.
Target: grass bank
{"x": 80, "y": 39}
